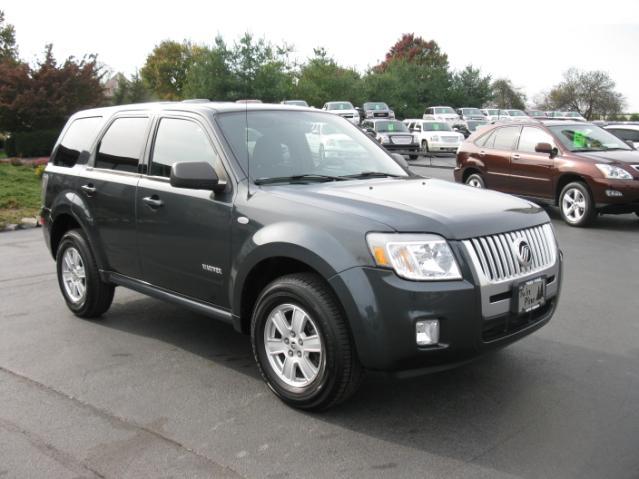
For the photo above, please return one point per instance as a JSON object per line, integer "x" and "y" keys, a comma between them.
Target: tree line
{"x": 414, "y": 74}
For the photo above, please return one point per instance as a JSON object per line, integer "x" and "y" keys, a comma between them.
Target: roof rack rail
{"x": 196, "y": 100}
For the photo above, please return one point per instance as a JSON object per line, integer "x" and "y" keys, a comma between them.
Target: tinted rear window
{"x": 121, "y": 146}
{"x": 77, "y": 140}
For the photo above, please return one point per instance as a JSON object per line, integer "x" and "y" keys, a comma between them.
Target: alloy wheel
{"x": 74, "y": 275}
{"x": 573, "y": 205}
{"x": 293, "y": 345}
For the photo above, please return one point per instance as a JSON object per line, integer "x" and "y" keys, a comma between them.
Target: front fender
{"x": 307, "y": 244}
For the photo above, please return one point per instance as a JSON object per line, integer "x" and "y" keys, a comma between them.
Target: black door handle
{"x": 153, "y": 201}
{"x": 89, "y": 189}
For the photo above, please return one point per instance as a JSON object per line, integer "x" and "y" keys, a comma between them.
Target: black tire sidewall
{"x": 425, "y": 146}
{"x": 590, "y": 210}
{"x": 278, "y": 293}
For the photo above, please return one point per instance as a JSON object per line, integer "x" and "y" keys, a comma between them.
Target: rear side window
{"x": 121, "y": 146}
{"x": 77, "y": 140}
{"x": 506, "y": 138}
{"x": 632, "y": 135}
{"x": 530, "y": 136}
{"x": 182, "y": 140}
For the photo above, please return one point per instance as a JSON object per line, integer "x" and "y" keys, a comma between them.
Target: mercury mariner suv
{"x": 333, "y": 264}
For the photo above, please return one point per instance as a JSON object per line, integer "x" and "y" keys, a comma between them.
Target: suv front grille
{"x": 496, "y": 257}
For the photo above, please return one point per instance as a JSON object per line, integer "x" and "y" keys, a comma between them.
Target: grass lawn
{"x": 19, "y": 193}
{"x": 2, "y": 154}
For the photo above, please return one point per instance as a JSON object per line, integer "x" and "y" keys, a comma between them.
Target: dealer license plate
{"x": 531, "y": 295}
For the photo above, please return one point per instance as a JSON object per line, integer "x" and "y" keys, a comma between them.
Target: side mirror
{"x": 400, "y": 160}
{"x": 196, "y": 175}
{"x": 543, "y": 148}
{"x": 370, "y": 131}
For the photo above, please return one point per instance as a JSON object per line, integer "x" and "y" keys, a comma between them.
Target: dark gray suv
{"x": 332, "y": 263}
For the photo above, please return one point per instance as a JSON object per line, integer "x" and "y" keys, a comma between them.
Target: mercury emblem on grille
{"x": 522, "y": 251}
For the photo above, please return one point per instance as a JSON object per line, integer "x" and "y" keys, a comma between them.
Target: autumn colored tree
{"x": 415, "y": 50}
{"x": 166, "y": 68}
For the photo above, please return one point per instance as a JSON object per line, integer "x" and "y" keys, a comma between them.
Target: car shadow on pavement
{"x": 625, "y": 222}
{"x": 548, "y": 403}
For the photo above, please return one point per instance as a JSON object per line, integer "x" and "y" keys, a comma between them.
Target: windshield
{"x": 472, "y": 111}
{"x": 290, "y": 143}
{"x": 340, "y": 105}
{"x": 587, "y": 138}
{"x": 296, "y": 103}
{"x": 516, "y": 113}
{"x": 376, "y": 106}
{"x": 436, "y": 126}
{"x": 536, "y": 113}
{"x": 445, "y": 111}
{"x": 390, "y": 126}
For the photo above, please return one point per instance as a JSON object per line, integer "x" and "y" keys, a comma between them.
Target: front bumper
{"x": 443, "y": 146}
{"x": 383, "y": 308}
{"x": 410, "y": 149}
{"x": 627, "y": 202}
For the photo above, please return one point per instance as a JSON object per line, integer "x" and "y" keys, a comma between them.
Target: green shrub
{"x": 38, "y": 170}
{"x": 31, "y": 143}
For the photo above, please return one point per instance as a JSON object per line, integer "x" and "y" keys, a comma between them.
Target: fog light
{"x": 613, "y": 193}
{"x": 427, "y": 332}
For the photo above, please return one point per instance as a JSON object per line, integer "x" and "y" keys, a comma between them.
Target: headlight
{"x": 419, "y": 257}
{"x": 614, "y": 172}
{"x": 434, "y": 138}
{"x": 415, "y": 139}
{"x": 384, "y": 139}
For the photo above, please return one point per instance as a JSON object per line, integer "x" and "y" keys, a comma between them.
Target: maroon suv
{"x": 579, "y": 167}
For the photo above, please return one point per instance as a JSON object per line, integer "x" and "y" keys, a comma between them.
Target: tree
{"x": 591, "y": 93}
{"x": 130, "y": 90}
{"x": 634, "y": 117}
{"x": 505, "y": 95}
{"x": 321, "y": 79}
{"x": 415, "y": 50}
{"x": 8, "y": 47}
{"x": 44, "y": 97}
{"x": 166, "y": 68}
{"x": 210, "y": 74}
{"x": 469, "y": 88}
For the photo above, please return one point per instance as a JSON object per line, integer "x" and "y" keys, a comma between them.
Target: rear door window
{"x": 121, "y": 146}
{"x": 506, "y": 138}
{"x": 77, "y": 140}
{"x": 632, "y": 135}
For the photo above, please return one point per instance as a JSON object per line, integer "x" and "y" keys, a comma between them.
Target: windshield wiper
{"x": 371, "y": 174}
{"x": 307, "y": 177}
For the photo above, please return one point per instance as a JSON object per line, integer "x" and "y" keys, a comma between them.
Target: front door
{"x": 184, "y": 234}
{"x": 532, "y": 172}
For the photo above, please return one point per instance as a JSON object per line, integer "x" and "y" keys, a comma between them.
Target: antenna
{"x": 248, "y": 154}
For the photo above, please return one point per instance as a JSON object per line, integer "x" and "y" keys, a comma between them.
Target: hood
{"x": 628, "y": 157}
{"x": 425, "y": 205}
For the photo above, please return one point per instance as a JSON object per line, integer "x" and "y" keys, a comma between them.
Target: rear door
{"x": 184, "y": 234}
{"x": 109, "y": 186}
{"x": 495, "y": 153}
{"x": 531, "y": 172}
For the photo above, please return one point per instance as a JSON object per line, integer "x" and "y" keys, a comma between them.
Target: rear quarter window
{"x": 76, "y": 142}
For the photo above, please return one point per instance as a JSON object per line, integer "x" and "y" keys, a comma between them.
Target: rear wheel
{"x": 424, "y": 147}
{"x": 86, "y": 295}
{"x": 476, "y": 181}
{"x": 576, "y": 204}
{"x": 302, "y": 345}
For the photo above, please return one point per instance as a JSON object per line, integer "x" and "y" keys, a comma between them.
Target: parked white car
{"x": 441, "y": 113}
{"x": 345, "y": 109}
{"x": 492, "y": 114}
{"x": 434, "y": 136}
{"x": 513, "y": 115}
{"x": 627, "y": 132}
{"x": 471, "y": 114}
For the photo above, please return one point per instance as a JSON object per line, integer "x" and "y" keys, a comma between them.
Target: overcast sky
{"x": 531, "y": 42}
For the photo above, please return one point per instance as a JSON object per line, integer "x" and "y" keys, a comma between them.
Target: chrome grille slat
{"x": 494, "y": 256}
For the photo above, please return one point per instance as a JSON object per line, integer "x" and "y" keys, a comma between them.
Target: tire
{"x": 413, "y": 157}
{"x": 425, "y": 150}
{"x": 578, "y": 195}
{"x": 334, "y": 372}
{"x": 96, "y": 296}
{"x": 476, "y": 181}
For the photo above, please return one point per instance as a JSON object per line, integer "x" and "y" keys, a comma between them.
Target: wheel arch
{"x": 567, "y": 178}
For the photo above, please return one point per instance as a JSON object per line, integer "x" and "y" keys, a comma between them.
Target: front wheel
{"x": 86, "y": 295}
{"x": 425, "y": 147}
{"x": 576, "y": 204}
{"x": 302, "y": 345}
{"x": 413, "y": 157}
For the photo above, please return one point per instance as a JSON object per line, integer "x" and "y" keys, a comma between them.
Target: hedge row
{"x": 31, "y": 143}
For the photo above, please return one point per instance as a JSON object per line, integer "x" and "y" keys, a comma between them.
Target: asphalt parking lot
{"x": 156, "y": 391}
